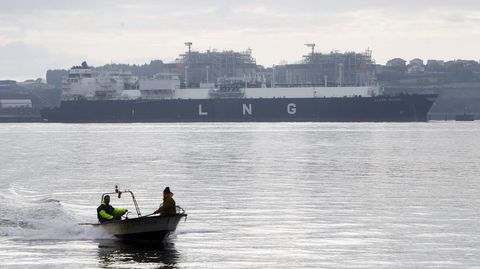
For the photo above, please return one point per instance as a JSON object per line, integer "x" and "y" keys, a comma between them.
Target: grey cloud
{"x": 18, "y": 59}
{"x": 223, "y": 6}
{"x": 215, "y": 14}
{"x": 461, "y": 18}
{"x": 28, "y": 6}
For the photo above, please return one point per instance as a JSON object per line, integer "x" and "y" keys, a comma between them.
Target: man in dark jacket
{"x": 106, "y": 212}
{"x": 168, "y": 207}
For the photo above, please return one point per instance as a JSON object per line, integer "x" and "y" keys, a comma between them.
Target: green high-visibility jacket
{"x": 107, "y": 212}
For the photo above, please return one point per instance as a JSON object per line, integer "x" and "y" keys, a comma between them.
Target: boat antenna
{"x": 117, "y": 191}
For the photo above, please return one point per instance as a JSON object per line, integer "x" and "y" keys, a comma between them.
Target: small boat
{"x": 141, "y": 228}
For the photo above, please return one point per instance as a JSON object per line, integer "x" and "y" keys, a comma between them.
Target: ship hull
{"x": 401, "y": 108}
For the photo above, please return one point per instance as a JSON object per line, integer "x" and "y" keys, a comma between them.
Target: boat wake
{"x": 24, "y": 215}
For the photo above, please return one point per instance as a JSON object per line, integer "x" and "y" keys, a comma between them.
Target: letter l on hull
{"x": 200, "y": 112}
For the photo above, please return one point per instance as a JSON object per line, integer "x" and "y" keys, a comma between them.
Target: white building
{"x": 15, "y": 103}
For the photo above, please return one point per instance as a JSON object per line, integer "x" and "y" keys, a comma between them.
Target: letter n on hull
{"x": 247, "y": 109}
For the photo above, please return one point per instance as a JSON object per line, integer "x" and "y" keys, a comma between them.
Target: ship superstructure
{"x": 87, "y": 84}
{"x": 84, "y": 82}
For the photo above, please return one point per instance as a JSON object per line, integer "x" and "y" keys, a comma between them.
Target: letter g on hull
{"x": 291, "y": 108}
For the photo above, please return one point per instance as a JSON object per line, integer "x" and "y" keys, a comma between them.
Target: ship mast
{"x": 311, "y": 45}
{"x": 189, "y": 45}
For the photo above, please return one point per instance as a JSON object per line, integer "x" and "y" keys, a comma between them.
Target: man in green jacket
{"x": 106, "y": 212}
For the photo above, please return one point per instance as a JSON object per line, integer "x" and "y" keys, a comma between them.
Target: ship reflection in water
{"x": 113, "y": 253}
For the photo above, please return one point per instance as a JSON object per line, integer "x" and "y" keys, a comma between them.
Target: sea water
{"x": 258, "y": 195}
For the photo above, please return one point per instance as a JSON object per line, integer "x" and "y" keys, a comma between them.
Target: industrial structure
{"x": 332, "y": 69}
{"x": 205, "y": 68}
{"x": 199, "y": 69}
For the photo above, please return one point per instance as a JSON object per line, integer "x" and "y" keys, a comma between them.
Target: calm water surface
{"x": 258, "y": 195}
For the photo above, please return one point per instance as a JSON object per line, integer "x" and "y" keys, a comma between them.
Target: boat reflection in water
{"x": 118, "y": 254}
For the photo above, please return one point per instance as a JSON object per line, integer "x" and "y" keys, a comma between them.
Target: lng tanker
{"x": 93, "y": 96}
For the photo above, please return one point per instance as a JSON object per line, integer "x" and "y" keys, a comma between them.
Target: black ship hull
{"x": 401, "y": 108}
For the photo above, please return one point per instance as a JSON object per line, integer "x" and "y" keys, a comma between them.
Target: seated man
{"x": 168, "y": 207}
{"x": 106, "y": 212}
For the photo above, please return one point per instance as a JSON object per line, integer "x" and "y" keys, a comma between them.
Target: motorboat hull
{"x": 155, "y": 228}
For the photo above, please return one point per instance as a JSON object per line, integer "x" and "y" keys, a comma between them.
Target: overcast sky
{"x": 37, "y": 35}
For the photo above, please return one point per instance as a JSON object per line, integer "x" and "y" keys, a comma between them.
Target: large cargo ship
{"x": 92, "y": 96}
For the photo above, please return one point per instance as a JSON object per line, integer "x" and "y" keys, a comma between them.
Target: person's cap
{"x": 167, "y": 190}
{"x": 106, "y": 196}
